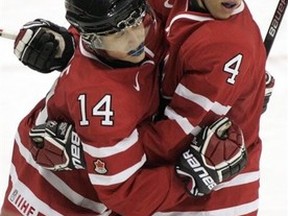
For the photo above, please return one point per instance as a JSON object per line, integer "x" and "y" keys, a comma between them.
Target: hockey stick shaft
{"x": 274, "y": 25}
{"x": 8, "y": 34}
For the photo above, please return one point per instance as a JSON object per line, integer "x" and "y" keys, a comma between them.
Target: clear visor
{"x": 130, "y": 39}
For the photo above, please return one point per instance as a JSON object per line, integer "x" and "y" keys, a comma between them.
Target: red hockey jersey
{"x": 213, "y": 68}
{"x": 107, "y": 106}
{"x": 107, "y": 115}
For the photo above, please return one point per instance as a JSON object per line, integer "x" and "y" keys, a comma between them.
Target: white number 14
{"x": 102, "y": 108}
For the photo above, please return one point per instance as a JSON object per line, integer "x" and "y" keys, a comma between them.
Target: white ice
{"x": 21, "y": 89}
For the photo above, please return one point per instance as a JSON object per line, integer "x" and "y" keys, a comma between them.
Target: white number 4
{"x": 102, "y": 108}
{"x": 232, "y": 67}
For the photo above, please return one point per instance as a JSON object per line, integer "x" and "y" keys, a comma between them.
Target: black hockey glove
{"x": 270, "y": 82}
{"x": 44, "y": 46}
{"x": 216, "y": 154}
{"x": 55, "y": 146}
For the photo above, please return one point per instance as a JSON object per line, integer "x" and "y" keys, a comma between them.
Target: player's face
{"x": 126, "y": 45}
{"x": 221, "y": 9}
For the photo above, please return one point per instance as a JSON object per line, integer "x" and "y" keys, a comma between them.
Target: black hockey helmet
{"x": 103, "y": 17}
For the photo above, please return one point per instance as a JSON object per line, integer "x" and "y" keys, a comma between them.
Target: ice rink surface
{"x": 21, "y": 89}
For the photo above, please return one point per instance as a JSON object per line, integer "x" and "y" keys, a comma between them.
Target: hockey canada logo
{"x": 100, "y": 167}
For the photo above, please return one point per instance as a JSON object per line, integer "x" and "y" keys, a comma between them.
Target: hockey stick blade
{"x": 274, "y": 25}
{"x": 8, "y": 34}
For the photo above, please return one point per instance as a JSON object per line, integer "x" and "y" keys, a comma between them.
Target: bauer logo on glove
{"x": 216, "y": 154}
{"x": 55, "y": 146}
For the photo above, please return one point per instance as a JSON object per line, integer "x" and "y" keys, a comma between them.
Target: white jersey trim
{"x": 58, "y": 183}
{"x": 105, "y": 180}
{"x": 202, "y": 101}
{"x": 200, "y": 18}
{"x": 121, "y": 146}
{"x": 183, "y": 122}
{"x": 21, "y": 190}
{"x": 232, "y": 211}
{"x": 187, "y": 16}
{"x": 241, "y": 179}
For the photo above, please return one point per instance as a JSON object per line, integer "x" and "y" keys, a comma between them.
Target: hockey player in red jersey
{"x": 235, "y": 55}
{"x": 216, "y": 66}
{"x": 107, "y": 93}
